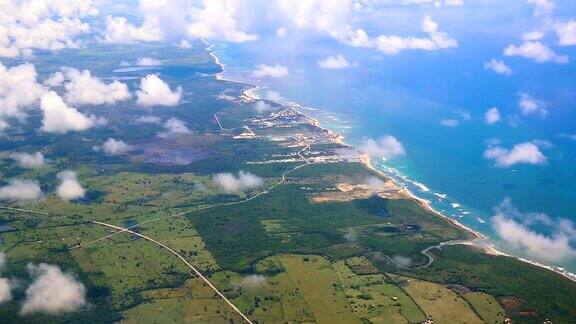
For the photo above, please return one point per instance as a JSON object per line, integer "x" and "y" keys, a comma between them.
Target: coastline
{"x": 487, "y": 248}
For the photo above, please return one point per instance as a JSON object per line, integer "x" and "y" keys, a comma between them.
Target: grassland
{"x": 486, "y": 306}
{"x": 440, "y": 303}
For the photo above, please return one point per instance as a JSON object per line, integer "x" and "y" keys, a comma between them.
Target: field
{"x": 486, "y": 306}
{"x": 440, "y": 303}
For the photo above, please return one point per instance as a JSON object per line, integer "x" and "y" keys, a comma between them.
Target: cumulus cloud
{"x": 215, "y": 19}
{"x": 459, "y": 117}
{"x": 148, "y": 61}
{"x": 528, "y": 105}
{"x": 536, "y": 51}
{"x": 55, "y": 80}
{"x": 42, "y": 24}
{"x": 387, "y": 147}
{"x": 232, "y": 21}
{"x": 334, "y": 63}
{"x": 5, "y": 290}
{"x": 29, "y": 160}
{"x": 498, "y": 67}
{"x": 566, "y": 32}
{"x": 174, "y": 127}
{"x": 435, "y": 41}
{"x": 120, "y": 31}
{"x": 53, "y": 291}
{"x": 492, "y": 116}
{"x": 156, "y": 92}
{"x": 5, "y": 284}
{"x": 21, "y": 191}
{"x": 524, "y": 232}
{"x": 523, "y": 153}
{"x": 262, "y": 107}
{"x": 85, "y": 89}
{"x": 114, "y": 147}
{"x": 58, "y": 117}
{"x": 69, "y": 187}
{"x": 270, "y": 71}
{"x": 19, "y": 89}
{"x": 148, "y": 120}
{"x": 232, "y": 183}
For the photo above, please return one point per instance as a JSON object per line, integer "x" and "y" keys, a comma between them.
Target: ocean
{"x": 444, "y": 165}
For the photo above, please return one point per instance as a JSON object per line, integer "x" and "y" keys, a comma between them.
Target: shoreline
{"x": 489, "y": 248}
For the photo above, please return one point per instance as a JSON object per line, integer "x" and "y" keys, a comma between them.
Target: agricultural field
{"x": 486, "y": 306}
{"x": 440, "y": 303}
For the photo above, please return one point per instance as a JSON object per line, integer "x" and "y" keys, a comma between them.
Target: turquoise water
{"x": 408, "y": 95}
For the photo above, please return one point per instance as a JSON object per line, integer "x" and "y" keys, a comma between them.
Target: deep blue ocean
{"x": 407, "y": 96}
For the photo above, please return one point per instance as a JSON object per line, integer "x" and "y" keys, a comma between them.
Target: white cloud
{"x": 114, "y": 147}
{"x": 518, "y": 229}
{"x": 528, "y": 105}
{"x": 174, "y": 127}
{"x": 69, "y": 187}
{"x": 450, "y": 122}
{"x": 42, "y": 24}
{"x": 492, "y": 116}
{"x": 271, "y": 71}
{"x": 459, "y": 117}
{"x": 5, "y": 284}
{"x": 120, "y": 30}
{"x": 455, "y": 3}
{"x": 387, "y": 147}
{"x": 28, "y": 160}
{"x": 53, "y": 291}
{"x": 262, "y": 107}
{"x": 217, "y": 19}
{"x": 19, "y": 89}
{"x": 566, "y": 32}
{"x": 436, "y": 40}
{"x": 244, "y": 181}
{"x": 214, "y": 19}
{"x": 534, "y": 35}
{"x": 542, "y": 7}
{"x": 334, "y": 63}
{"x": 148, "y": 120}
{"x": 536, "y": 51}
{"x": 156, "y": 92}
{"x": 21, "y": 191}
{"x": 59, "y": 118}
{"x": 85, "y": 89}
{"x": 523, "y": 153}
{"x": 5, "y": 290}
{"x": 55, "y": 80}
{"x": 498, "y": 67}
{"x": 148, "y": 61}
{"x": 233, "y": 20}
{"x": 3, "y": 125}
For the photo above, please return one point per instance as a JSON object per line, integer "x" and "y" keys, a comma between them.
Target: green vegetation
{"x": 440, "y": 303}
{"x": 542, "y": 291}
{"x": 486, "y": 306}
